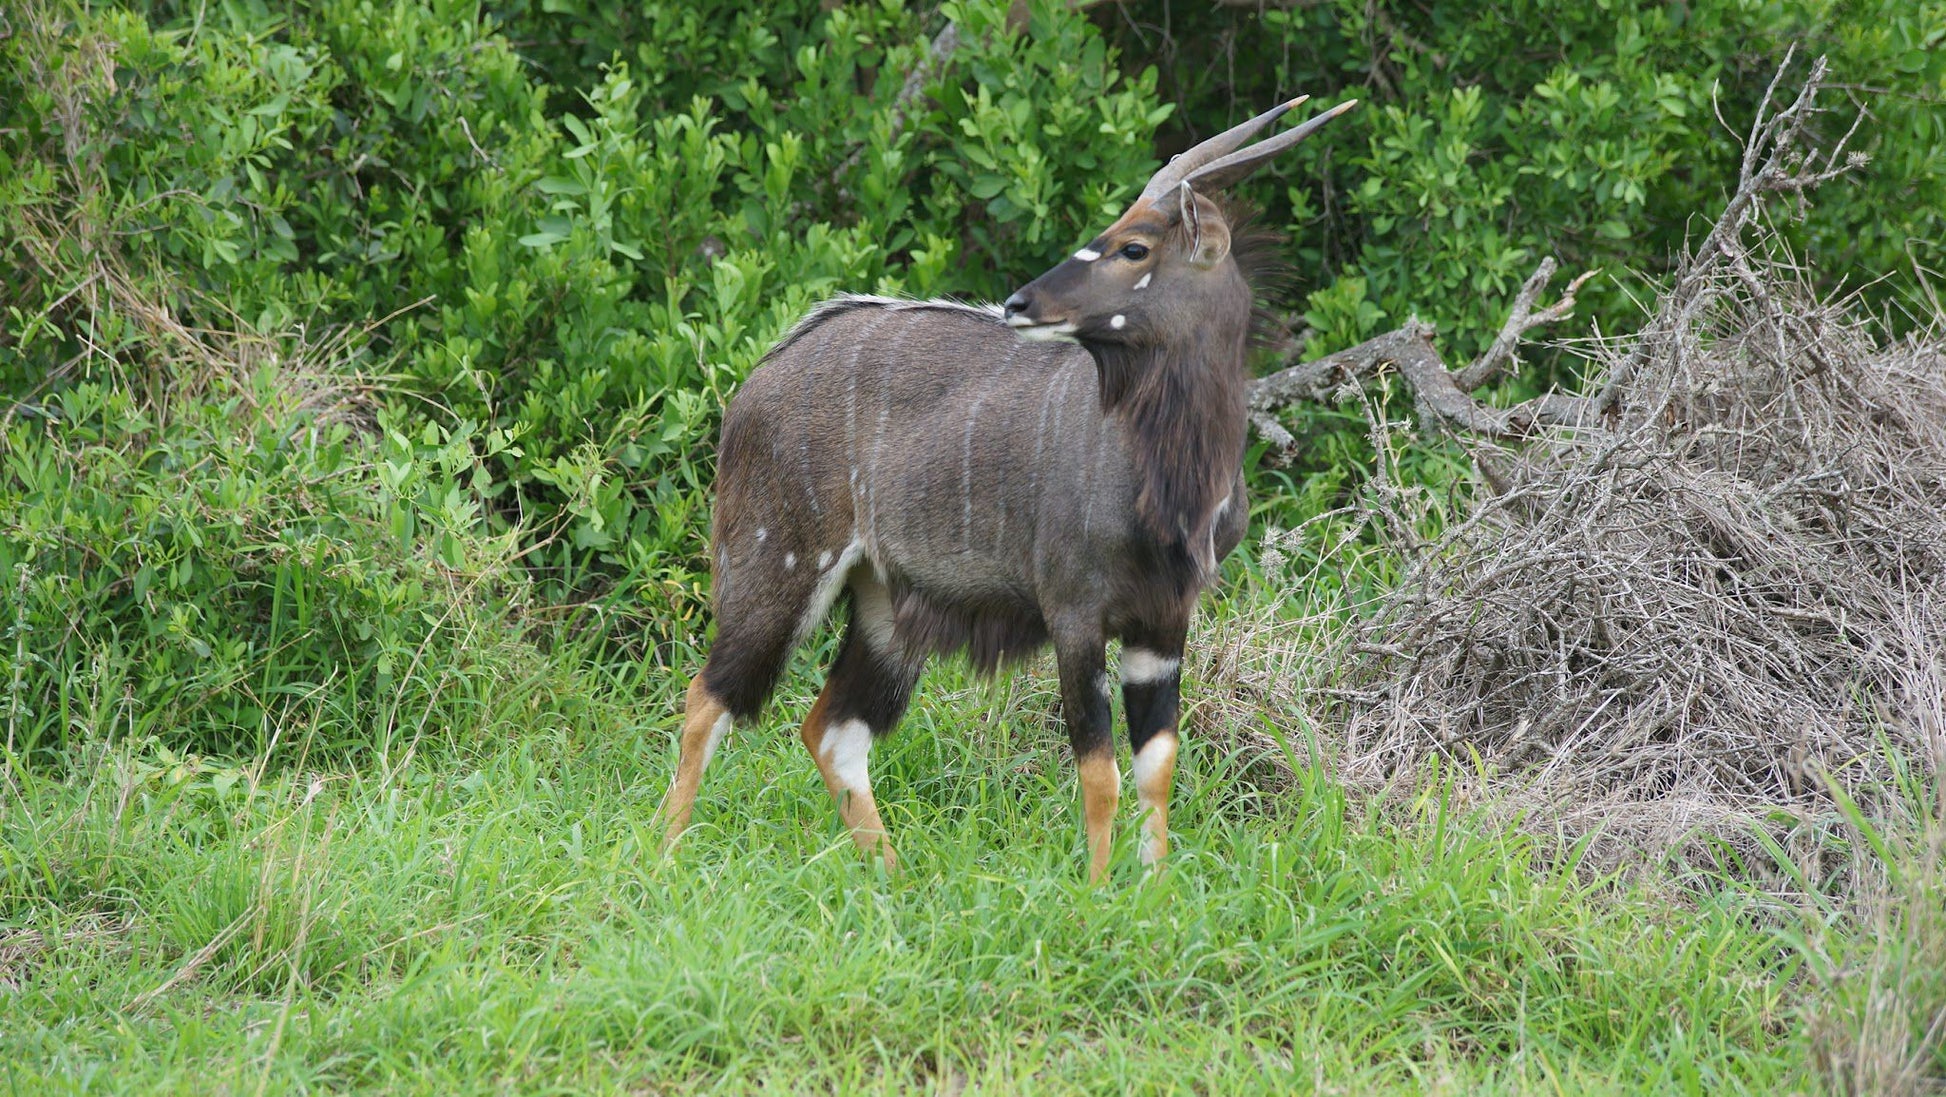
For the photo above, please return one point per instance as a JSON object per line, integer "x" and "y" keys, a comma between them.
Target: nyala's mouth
{"x": 1039, "y": 332}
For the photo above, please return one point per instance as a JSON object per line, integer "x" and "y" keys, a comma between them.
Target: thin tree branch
{"x": 1521, "y": 319}
{"x": 1441, "y": 394}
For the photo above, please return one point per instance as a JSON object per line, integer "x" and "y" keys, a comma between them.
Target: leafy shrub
{"x": 238, "y": 569}
{"x": 580, "y": 223}
{"x": 1501, "y": 133}
{"x": 594, "y": 282}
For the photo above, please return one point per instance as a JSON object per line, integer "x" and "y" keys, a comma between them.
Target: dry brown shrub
{"x": 1695, "y": 618}
{"x": 1679, "y": 610}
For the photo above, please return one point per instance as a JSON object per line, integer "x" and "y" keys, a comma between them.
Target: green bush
{"x": 1604, "y": 134}
{"x": 239, "y": 569}
{"x": 581, "y": 223}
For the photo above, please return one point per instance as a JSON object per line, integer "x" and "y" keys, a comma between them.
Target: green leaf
{"x": 986, "y": 186}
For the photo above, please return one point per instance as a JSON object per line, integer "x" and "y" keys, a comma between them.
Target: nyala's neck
{"x": 1185, "y": 411}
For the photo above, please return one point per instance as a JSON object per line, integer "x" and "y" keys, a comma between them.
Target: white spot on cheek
{"x": 1144, "y": 283}
{"x": 1118, "y": 321}
{"x": 847, "y": 747}
{"x": 1087, "y": 255}
{"x": 1141, "y": 667}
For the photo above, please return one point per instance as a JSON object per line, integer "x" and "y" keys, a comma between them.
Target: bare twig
{"x": 1521, "y": 319}
{"x": 1775, "y": 161}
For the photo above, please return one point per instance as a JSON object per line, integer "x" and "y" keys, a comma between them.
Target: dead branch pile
{"x": 1689, "y": 598}
{"x": 1703, "y": 610}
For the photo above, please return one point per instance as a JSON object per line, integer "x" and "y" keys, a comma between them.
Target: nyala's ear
{"x": 1203, "y": 225}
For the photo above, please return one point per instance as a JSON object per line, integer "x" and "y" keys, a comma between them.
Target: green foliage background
{"x": 532, "y": 247}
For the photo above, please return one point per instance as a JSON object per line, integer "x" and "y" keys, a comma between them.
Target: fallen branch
{"x": 1442, "y": 395}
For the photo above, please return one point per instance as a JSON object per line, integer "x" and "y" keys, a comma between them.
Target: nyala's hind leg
{"x": 866, "y": 693}
{"x": 744, "y": 664}
{"x": 705, "y": 722}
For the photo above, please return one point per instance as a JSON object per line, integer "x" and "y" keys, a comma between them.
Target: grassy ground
{"x": 492, "y": 917}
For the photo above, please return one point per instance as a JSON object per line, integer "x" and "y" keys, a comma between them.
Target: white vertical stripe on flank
{"x": 828, "y": 586}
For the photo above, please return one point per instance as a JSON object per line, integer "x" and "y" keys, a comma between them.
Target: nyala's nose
{"x": 1019, "y": 302}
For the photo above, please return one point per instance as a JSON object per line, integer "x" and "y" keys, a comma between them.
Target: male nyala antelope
{"x": 1066, "y": 468}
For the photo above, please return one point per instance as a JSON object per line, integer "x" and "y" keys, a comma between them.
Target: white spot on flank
{"x": 717, "y": 732}
{"x": 824, "y": 560}
{"x": 761, "y": 534}
{"x": 1087, "y": 255}
{"x": 827, "y": 589}
{"x": 847, "y": 746}
{"x": 1118, "y": 321}
{"x": 1141, "y": 667}
{"x": 790, "y": 560}
{"x": 1144, "y": 283}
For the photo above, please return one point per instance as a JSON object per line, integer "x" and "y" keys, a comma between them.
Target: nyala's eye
{"x": 1135, "y": 253}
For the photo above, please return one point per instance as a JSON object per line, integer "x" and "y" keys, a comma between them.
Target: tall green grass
{"x": 488, "y": 912}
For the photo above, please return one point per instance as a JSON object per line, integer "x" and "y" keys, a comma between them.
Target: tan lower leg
{"x": 705, "y": 722}
{"x": 1155, "y": 771}
{"x": 1101, "y": 790}
{"x": 840, "y": 751}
